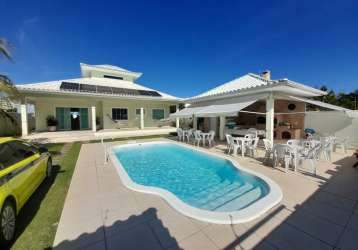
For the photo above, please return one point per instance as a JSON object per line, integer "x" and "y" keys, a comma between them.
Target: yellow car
{"x": 23, "y": 167}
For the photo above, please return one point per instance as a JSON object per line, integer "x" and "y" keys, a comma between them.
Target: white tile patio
{"x": 88, "y": 135}
{"x": 315, "y": 213}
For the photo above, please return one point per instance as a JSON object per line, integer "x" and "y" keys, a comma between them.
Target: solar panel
{"x": 88, "y": 88}
{"x": 69, "y": 86}
{"x": 123, "y": 91}
{"x": 149, "y": 93}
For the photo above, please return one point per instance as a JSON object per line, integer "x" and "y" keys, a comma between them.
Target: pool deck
{"x": 316, "y": 212}
{"x": 88, "y": 135}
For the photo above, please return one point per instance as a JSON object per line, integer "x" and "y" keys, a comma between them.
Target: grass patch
{"x": 54, "y": 148}
{"x": 38, "y": 219}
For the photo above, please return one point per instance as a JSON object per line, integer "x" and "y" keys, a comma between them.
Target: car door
{"x": 27, "y": 170}
{"x": 10, "y": 177}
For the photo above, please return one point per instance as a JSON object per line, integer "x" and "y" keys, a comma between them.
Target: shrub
{"x": 51, "y": 121}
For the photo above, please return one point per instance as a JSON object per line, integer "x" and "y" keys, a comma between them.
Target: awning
{"x": 318, "y": 103}
{"x": 223, "y": 109}
{"x": 185, "y": 113}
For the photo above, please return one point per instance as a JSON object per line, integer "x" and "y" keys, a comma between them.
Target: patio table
{"x": 242, "y": 141}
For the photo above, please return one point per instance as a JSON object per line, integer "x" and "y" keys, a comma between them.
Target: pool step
{"x": 241, "y": 201}
{"x": 220, "y": 201}
{"x": 214, "y": 191}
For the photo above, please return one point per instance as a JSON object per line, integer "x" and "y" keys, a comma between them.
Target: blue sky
{"x": 184, "y": 47}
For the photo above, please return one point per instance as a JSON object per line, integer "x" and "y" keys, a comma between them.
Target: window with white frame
{"x": 119, "y": 113}
{"x": 157, "y": 114}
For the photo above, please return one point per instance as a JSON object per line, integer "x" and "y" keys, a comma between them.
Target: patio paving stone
{"x": 194, "y": 242}
{"x": 139, "y": 237}
{"x": 177, "y": 225}
{"x": 349, "y": 240}
{"x": 317, "y": 227}
{"x": 79, "y": 234}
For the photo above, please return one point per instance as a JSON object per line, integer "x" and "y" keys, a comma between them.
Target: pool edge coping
{"x": 246, "y": 214}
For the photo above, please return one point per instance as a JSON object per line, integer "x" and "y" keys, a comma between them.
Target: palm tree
{"x": 5, "y": 48}
{"x": 7, "y": 88}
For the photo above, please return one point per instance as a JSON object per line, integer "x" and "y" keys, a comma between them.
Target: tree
{"x": 342, "y": 99}
{"x": 7, "y": 88}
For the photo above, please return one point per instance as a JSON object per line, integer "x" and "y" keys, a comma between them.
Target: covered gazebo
{"x": 277, "y": 107}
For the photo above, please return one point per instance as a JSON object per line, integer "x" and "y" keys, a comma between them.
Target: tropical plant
{"x": 7, "y": 89}
{"x": 5, "y": 49}
{"x": 51, "y": 121}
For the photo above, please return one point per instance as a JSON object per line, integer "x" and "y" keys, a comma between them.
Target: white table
{"x": 242, "y": 141}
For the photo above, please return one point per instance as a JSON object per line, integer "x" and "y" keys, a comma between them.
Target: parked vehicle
{"x": 23, "y": 166}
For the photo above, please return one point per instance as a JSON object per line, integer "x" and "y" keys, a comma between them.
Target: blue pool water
{"x": 198, "y": 179}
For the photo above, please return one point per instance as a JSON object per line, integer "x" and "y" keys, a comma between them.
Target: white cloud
{"x": 26, "y": 25}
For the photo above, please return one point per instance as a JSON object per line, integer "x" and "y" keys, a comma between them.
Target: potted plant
{"x": 98, "y": 123}
{"x": 51, "y": 123}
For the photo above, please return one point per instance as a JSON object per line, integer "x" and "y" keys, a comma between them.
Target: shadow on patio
{"x": 133, "y": 233}
{"x": 328, "y": 219}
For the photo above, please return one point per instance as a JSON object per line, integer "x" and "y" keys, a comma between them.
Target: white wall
{"x": 333, "y": 122}
{"x": 133, "y": 119}
{"x": 45, "y": 106}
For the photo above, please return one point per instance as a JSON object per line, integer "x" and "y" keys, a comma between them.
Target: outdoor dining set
{"x": 291, "y": 154}
{"x": 197, "y": 136}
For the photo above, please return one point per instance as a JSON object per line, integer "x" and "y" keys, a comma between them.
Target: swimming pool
{"x": 197, "y": 183}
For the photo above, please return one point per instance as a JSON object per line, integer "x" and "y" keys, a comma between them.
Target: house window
{"x": 172, "y": 109}
{"x": 119, "y": 114}
{"x": 137, "y": 111}
{"x": 157, "y": 114}
{"x": 113, "y": 77}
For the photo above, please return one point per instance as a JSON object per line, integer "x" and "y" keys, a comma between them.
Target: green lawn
{"x": 38, "y": 219}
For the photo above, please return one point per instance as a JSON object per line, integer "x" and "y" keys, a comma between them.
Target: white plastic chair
{"x": 282, "y": 152}
{"x": 268, "y": 148}
{"x": 228, "y": 143}
{"x": 211, "y": 138}
{"x": 197, "y": 138}
{"x": 188, "y": 135}
{"x": 326, "y": 148}
{"x": 311, "y": 156}
{"x": 342, "y": 142}
{"x": 252, "y": 146}
{"x": 235, "y": 145}
{"x": 180, "y": 134}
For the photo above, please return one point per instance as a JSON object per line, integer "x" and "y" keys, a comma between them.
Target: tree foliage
{"x": 342, "y": 99}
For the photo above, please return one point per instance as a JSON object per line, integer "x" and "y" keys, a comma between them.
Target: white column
{"x": 141, "y": 118}
{"x": 222, "y": 127}
{"x": 93, "y": 115}
{"x": 24, "y": 124}
{"x": 195, "y": 122}
{"x": 270, "y": 112}
{"x": 177, "y": 120}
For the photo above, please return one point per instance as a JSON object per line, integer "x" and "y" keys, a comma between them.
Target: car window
{"x": 8, "y": 156}
{"x": 23, "y": 149}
